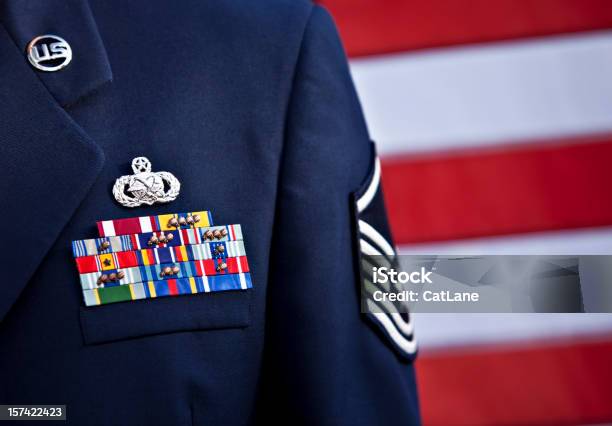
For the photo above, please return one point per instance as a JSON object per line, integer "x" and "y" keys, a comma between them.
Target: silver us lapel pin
{"x": 144, "y": 186}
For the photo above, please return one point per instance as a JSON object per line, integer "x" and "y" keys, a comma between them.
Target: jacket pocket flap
{"x": 119, "y": 321}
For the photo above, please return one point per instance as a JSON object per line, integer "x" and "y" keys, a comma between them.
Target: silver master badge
{"x": 49, "y": 53}
{"x": 144, "y": 186}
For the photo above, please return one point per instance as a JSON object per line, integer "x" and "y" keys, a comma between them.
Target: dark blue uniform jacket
{"x": 251, "y": 106}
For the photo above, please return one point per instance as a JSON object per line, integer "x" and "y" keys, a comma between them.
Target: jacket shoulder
{"x": 267, "y": 20}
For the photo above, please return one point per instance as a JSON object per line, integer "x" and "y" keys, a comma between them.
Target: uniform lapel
{"x": 48, "y": 163}
{"x": 73, "y": 21}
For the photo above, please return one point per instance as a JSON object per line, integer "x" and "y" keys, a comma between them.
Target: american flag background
{"x": 493, "y": 120}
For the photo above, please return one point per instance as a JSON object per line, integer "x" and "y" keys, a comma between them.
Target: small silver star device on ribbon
{"x": 144, "y": 186}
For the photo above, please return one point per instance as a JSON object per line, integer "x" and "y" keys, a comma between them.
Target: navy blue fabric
{"x": 71, "y": 20}
{"x": 251, "y": 106}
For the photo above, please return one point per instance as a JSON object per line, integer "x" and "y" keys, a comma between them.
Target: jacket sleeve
{"x": 325, "y": 362}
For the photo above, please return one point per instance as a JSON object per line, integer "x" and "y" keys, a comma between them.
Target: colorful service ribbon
{"x": 128, "y": 259}
{"x": 137, "y": 274}
{"x": 137, "y": 225}
{"x": 131, "y": 242}
{"x": 165, "y": 255}
{"x": 162, "y": 288}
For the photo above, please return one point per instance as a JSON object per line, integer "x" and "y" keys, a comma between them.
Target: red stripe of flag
{"x": 499, "y": 191}
{"x": 382, "y": 26}
{"x": 553, "y": 385}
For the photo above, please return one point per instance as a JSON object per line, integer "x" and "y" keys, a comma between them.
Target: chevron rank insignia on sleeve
{"x": 373, "y": 245}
